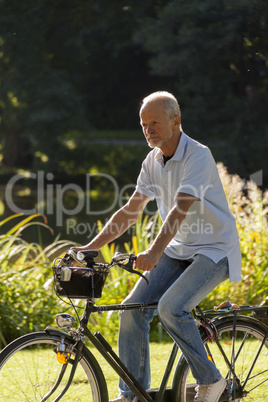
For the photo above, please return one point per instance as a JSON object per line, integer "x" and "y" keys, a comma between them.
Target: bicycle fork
{"x": 65, "y": 360}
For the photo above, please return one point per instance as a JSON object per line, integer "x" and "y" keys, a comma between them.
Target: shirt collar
{"x": 178, "y": 153}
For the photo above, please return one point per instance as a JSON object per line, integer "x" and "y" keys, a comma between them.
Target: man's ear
{"x": 176, "y": 121}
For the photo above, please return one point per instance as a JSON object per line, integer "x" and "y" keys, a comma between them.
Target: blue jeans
{"x": 178, "y": 286}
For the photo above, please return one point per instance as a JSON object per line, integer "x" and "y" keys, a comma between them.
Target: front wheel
{"x": 247, "y": 386}
{"x": 29, "y": 369}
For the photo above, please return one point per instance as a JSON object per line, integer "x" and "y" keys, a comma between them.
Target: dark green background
{"x": 73, "y": 73}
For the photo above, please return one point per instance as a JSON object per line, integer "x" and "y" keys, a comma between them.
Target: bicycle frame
{"x": 110, "y": 356}
{"x": 97, "y": 340}
{"x": 161, "y": 394}
{"x": 218, "y": 326}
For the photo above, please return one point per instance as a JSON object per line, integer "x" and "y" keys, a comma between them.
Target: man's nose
{"x": 149, "y": 129}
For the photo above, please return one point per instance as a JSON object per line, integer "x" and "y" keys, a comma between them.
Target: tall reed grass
{"x": 249, "y": 205}
{"x": 27, "y": 299}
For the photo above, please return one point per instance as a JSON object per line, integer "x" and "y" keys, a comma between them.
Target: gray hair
{"x": 172, "y": 106}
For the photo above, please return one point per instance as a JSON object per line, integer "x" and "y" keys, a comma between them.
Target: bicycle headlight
{"x": 65, "y": 320}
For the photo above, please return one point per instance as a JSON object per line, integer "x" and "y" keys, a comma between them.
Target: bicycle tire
{"x": 29, "y": 368}
{"x": 183, "y": 388}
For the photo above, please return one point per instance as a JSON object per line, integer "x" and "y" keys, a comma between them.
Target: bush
{"x": 249, "y": 206}
{"x": 28, "y": 302}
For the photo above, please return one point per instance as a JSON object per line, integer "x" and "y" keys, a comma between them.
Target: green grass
{"x": 159, "y": 353}
{"x": 38, "y": 367}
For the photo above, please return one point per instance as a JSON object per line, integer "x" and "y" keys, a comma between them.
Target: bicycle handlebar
{"x": 87, "y": 259}
{"x": 125, "y": 261}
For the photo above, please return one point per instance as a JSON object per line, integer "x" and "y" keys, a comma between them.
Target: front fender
{"x": 57, "y": 331}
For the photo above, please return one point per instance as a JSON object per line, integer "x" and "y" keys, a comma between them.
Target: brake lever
{"x": 128, "y": 267}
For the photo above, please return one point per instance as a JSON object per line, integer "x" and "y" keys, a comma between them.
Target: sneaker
{"x": 121, "y": 398}
{"x": 210, "y": 393}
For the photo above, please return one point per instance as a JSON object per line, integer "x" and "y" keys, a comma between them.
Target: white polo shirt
{"x": 209, "y": 227}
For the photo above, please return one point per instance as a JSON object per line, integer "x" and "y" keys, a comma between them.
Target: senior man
{"x": 197, "y": 246}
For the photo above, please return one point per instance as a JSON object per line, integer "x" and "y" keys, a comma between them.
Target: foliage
{"x": 62, "y": 67}
{"x": 28, "y": 302}
{"x": 216, "y": 55}
{"x": 69, "y": 67}
{"x": 89, "y": 157}
{"x": 250, "y": 208}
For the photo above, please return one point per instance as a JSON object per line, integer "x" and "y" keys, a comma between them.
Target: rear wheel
{"x": 247, "y": 386}
{"x": 29, "y": 369}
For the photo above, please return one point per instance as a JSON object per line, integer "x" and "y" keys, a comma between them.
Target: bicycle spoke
{"x": 248, "y": 378}
{"x": 256, "y": 358}
{"x": 31, "y": 372}
{"x": 57, "y": 383}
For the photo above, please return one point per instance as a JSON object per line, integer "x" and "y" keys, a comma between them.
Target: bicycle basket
{"x": 83, "y": 283}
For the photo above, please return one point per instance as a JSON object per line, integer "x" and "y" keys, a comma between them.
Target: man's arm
{"x": 149, "y": 258}
{"x": 119, "y": 222}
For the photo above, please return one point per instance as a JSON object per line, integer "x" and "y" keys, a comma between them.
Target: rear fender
{"x": 229, "y": 318}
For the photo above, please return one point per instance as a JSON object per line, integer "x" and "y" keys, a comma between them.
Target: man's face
{"x": 157, "y": 126}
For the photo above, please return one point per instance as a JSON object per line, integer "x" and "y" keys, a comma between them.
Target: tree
{"x": 67, "y": 65}
{"x": 76, "y": 65}
{"x": 37, "y": 100}
{"x": 215, "y": 54}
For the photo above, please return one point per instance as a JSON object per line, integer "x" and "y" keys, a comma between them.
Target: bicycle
{"x": 55, "y": 364}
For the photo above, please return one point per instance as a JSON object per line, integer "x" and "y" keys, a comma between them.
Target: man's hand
{"x": 81, "y": 248}
{"x": 146, "y": 261}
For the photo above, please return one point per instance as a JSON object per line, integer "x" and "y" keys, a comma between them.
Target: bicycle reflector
{"x": 63, "y": 357}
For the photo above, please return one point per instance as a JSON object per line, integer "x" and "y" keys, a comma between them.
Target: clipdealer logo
{"x": 50, "y": 200}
